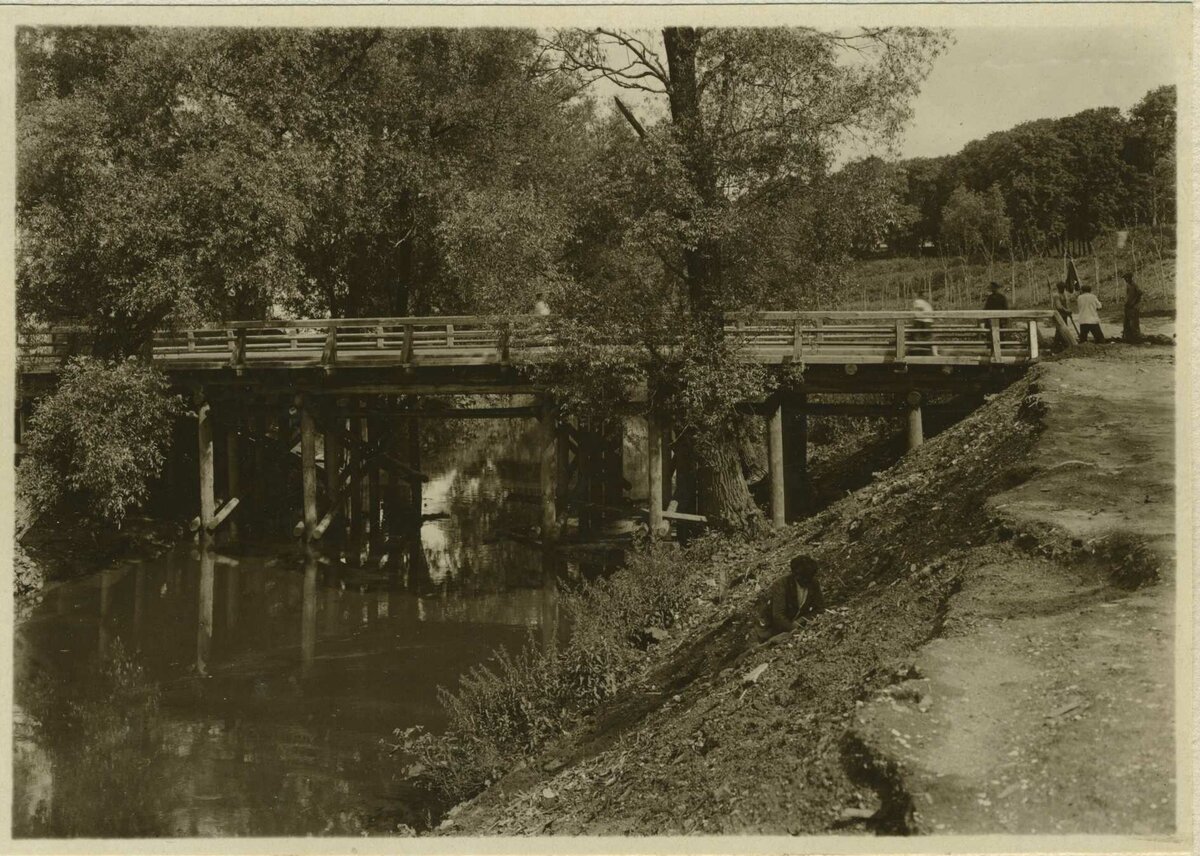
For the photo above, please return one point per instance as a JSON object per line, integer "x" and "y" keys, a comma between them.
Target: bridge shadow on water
{"x": 248, "y": 690}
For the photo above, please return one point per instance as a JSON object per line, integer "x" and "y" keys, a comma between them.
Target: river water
{"x": 251, "y": 691}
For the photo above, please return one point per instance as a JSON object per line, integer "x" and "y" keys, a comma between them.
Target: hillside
{"x": 954, "y": 284}
{"x": 1035, "y": 534}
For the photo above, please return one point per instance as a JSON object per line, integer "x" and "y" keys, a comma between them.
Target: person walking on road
{"x": 1132, "y": 330}
{"x": 1089, "y": 316}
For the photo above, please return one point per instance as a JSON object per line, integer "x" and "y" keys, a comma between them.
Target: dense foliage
{"x": 1058, "y": 179}
{"x": 237, "y": 173}
{"x": 100, "y": 437}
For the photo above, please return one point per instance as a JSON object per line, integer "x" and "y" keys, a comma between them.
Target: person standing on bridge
{"x": 1089, "y": 316}
{"x": 996, "y": 298}
{"x": 540, "y": 307}
{"x": 922, "y": 336}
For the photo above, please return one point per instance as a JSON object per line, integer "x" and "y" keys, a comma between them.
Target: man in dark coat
{"x": 1132, "y": 331}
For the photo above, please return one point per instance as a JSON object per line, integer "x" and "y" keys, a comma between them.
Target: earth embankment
{"x": 995, "y": 655}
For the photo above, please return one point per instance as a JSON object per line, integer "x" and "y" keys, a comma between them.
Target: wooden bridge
{"x": 967, "y": 338}
{"x": 348, "y": 380}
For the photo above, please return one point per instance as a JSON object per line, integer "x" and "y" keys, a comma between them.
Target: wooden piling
{"x": 333, "y": 466}
{"x": 308, "y": 466}
{"x": 414, "y": 461}
{"x": 208, "y": 500}
{"x": 373, "y": 495}
{"x": 775, "y": 466}
{"x": 795, "y": 456}
{"x": 916, "y": 430}
{"x": 654, "y": 470}
{"x": 204, "y": 624}
{"x": 308, "y": 618}
{"x": 354, "y": 547}
{"x": 233, "y": 472}
{"x": 549, "y": 475}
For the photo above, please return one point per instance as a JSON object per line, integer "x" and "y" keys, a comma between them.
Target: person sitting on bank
{"x": 1061, "y": 302}
{"x": 995, "y": 298}
{"x": 1089, "y": 316}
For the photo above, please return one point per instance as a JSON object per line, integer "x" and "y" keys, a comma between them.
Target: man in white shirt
{"x": 1088, "y": 315}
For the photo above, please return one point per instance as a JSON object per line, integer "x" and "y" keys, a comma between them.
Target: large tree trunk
{"x": 724, "y": 495}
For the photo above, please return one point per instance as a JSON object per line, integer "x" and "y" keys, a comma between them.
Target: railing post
{"x": 329, "y": 354}
{"x": 901, "y": 349}
{"x": 797, "y": 342}
{"x": 408, "y": 344}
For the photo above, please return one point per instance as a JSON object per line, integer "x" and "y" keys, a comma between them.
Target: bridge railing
{"x": 941, "y": 338}
{"x": 967, "y": 337}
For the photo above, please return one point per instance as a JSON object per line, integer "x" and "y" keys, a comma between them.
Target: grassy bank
{"x": 665, "y": 645}
{"x": 954, "y": 283}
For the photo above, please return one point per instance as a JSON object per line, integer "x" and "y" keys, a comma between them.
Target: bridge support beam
{"x": 916, "y": 428}
{"x": 374, "y": 541}
{"x": 308, "y": 464}
{"x": 233, "y": 472}
{"x": 654, "y": 471}
{"x": 208, "y": 500}
{"x": 775, "y": 466}
{"x": 333, "y": 466}
{"x": 795, "y": 456}
{"x": 547, "y": 447}
{"x": 204, "y": 625}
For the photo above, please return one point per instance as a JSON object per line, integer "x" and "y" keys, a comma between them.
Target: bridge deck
{"x": 966, "y": 338}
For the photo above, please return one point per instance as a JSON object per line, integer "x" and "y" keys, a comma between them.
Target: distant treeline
{"x": 1044, "y": 186}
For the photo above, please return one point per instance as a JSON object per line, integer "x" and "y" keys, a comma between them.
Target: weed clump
{"x": 508, "y": 709}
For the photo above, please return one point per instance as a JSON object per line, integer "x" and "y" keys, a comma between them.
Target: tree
{"x": 229, "y": 173}
{"x": 976, "y": 222}
{"x": 99, "y": 438}
{"x": 1150, "y": 148}
{"x": 748, "y": 116}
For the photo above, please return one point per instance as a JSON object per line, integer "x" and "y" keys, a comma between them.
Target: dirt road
{"x": 1047, "y": 704}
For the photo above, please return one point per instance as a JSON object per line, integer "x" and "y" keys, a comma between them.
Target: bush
{"x": 510, "y": 708}
{"x": 100, "y": 438}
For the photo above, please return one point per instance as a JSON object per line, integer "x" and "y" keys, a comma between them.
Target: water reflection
{"x": 212, "y": 694}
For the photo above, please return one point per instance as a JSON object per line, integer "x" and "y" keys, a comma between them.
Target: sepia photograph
{"x": 752, "y": 428}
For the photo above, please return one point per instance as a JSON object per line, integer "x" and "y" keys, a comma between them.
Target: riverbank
{"x": 1016, "y": 568}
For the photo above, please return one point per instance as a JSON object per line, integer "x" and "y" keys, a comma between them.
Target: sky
{"x": 991, "y": 79}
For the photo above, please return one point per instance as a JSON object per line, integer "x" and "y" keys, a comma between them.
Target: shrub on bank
{"x": 100, "y": 437}
{"x": 510, "y": 708}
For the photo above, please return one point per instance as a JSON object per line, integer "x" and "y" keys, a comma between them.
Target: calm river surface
{"x": 132, "y": 721}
